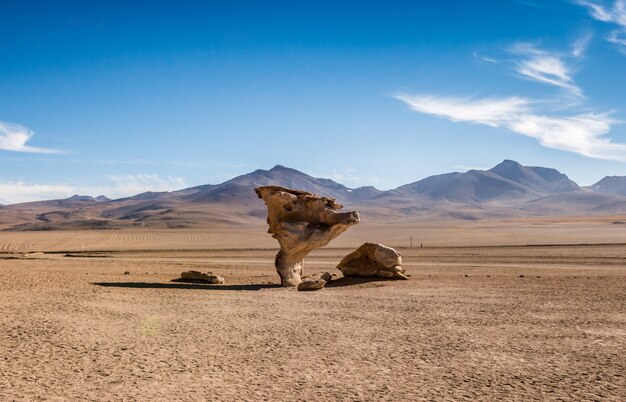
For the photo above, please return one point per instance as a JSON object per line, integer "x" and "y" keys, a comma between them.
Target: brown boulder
{"x": 373, "y": 260}
{"x": 197, "y": 276}
{"x": 312, "y": 284}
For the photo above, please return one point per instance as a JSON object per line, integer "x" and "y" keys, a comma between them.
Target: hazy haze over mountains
{"x": 506, "y": 190}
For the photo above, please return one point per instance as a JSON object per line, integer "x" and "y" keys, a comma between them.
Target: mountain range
{"x": 504, "y": 191}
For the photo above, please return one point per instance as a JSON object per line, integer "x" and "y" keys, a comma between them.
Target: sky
{"x": 122, "y": 97}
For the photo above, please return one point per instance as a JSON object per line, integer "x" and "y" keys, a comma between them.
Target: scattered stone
{"x": 126, "y": 273}
{"x": 327, "y": 276}
{"x": 373, "y": 260}
{"x": 301, "y": 222}
{"x": 197, "y": 276}
{"x": 522, "y": 276}
{"x": 312, "y": 284}
{"x": 467, "y": 276}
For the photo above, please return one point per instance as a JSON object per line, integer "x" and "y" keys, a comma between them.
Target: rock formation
{"x": 197, "y": 276}
{"x": 373, "y": 260}
{"x": 301, "y": 222}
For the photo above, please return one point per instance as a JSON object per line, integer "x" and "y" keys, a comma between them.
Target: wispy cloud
{"x": 485, "y": 59}
{"x": 579, "y": 47}
{"x": 350, "y": 177}
{"x": 547, "y": 67}
{"x": 466, "y": 168}
{"x": 490, "y": 111}
{"x": 613, "y": 14}
{"x": 116, "y": 187}
{"x": 601, "y": 12}
{"x": 13, "y": 137}
{"x": 583, "y": 134}
{"x": 125, "y": 185}
{"x": 19, "y": 191}
{"x": 529, "y": 3}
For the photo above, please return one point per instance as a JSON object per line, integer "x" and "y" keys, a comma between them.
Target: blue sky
{"x": 116, "y": 98}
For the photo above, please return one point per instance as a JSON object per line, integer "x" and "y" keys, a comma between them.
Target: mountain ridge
{"x": 509, "y": 189}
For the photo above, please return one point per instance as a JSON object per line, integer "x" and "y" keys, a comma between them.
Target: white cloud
{"x": 485, "y": 59}
{"x": 123, "y": 186}
{"x": 116, "y": 187}
{"x": 619, "y": 38}
{"x": 580, "y": 133}
{"x": 548, "y": 68}
{"x": 350, "y": 177}
{"x": 529, "y": 3}
{"x": 466, "y": 168}
{"x": 14, "y": 137}
{"x": 597, "y": 11}
{"x": 489, "y": 111}
{"x": 18, "y": 191}
{"x": 615, "y": 14}
{"x": 579, "y": 47}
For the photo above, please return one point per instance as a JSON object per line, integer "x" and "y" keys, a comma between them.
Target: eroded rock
{"x": 301, "y": 222}
{"x": 373, "y": 260}
{"x": 197, "y": 276}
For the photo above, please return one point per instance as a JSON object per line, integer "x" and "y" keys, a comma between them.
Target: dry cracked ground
{"x": 472, "y": 323}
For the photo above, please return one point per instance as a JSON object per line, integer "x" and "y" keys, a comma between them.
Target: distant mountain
{"x": 507, "y": 180}
{"x": 470, "y": 187}
{"x": 504, "y": 191}
{"x": 576, "y": 203}
{"x": 241, "y": 187}
{"x": 611, "y": 185}
{"x": 76, "y": 197}
{"x": 539, "y": 179}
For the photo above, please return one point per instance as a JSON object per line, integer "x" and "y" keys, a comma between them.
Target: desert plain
{"x": 528, "y": 309}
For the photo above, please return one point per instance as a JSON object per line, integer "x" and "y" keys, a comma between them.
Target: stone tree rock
{"x": 301, "y": 222}
{"x": 373, "y": 260}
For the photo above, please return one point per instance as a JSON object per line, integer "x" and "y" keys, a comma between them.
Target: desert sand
{"x": 524, "y": 310}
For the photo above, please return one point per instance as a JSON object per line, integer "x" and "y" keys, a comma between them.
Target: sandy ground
{"x": 472, "y": 323}
{"x": 538, "y": 231}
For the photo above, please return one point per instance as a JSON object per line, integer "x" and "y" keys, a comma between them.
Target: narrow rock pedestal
{"x": 301, "y": 222}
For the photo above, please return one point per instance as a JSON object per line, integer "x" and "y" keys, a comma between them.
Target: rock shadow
{"x": 178, "y": 285}
{"x": 356, "y": 280}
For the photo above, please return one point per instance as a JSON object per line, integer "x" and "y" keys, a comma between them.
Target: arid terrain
{"x": 494, "y": 310}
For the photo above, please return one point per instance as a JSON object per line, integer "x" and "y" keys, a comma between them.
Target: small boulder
{"x": 197, "y": 276}
{"x": 373, "y": 260}
{"x": 327, "y": 276}
{"x": 312, "y": 284}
